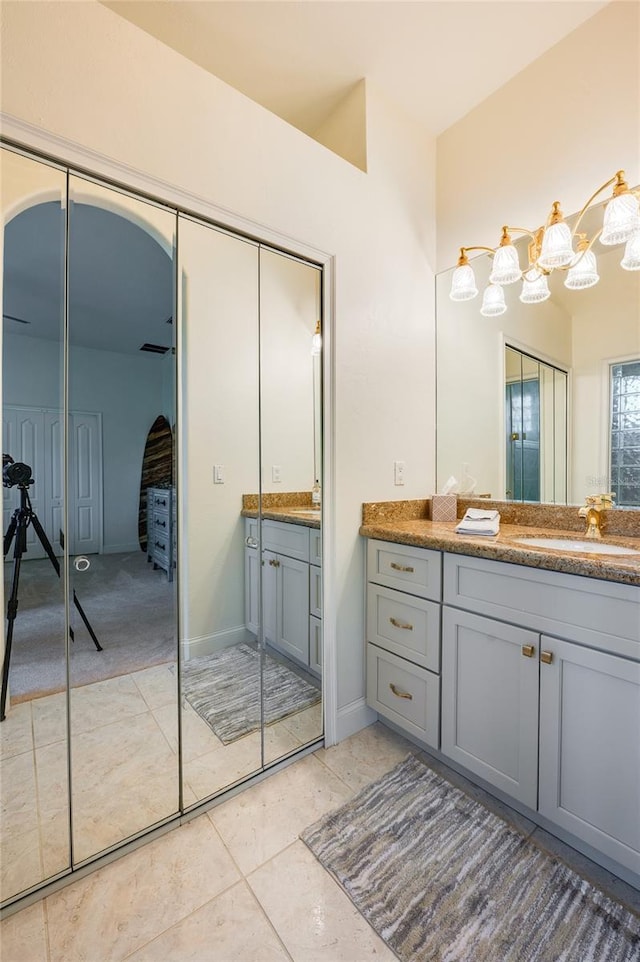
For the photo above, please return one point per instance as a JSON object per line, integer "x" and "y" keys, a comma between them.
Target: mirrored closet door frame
{"x": 109, "y": 176}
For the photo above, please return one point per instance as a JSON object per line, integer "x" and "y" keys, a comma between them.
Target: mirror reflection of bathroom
{"x": 579, "y": 342}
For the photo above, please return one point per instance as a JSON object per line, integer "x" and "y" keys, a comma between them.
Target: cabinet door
{"x": 293, "y": 608}
{"x": 490, "y": 701}
{"x": 251, "y": 600}
{"x": 270, "y": 566}
{"x": 315, "y": 645}
{"x": 590, "y": 747}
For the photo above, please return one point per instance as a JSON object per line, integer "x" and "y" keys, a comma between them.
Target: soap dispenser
{"x": 315, "y": 494}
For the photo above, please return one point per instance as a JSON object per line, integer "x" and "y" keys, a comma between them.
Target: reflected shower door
{"x": 122, "y": 598}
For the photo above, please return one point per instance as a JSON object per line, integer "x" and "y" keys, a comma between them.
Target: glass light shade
{"x": 556, "y": 246}
{"x": 535, "y": 288}
{"x": 316, "y": 344}
{"x": 631, "y": 259}
{"x": 463, "y": 283}
{"x": 493, "y": 301}
{"x": 621, "y": 219}
{"x": 506, "y": 269}
{"x": 585, "y": 272}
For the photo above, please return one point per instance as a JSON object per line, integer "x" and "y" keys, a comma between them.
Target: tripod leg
{"x": 11, "y": 530}
{"x": 86, "y": 621}
{"x": 46, "y": 544}
{"x": 12, "y": 610}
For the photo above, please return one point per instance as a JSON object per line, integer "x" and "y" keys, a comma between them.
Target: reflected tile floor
{"x": 122, "y": 728}
{"x": 236, "y": 884}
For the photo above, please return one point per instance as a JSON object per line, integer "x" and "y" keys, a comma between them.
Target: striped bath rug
{"x": 442, "y": 879}
{"x": 224, "y": 688}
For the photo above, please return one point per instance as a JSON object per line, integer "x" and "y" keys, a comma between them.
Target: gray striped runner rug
{"x": 442, "y": 879}
{"x": 224, "y": 688}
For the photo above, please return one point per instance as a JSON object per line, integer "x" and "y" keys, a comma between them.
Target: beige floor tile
{"x": 20, "y": 863}
{"x": 212, "y": 772}
{"x": 305, "y": 725}
{"x": 365, "y": 756}
{"x": 53, "y": 801}
{"x": 265, "y": 819}
{"x": 23, "y": 937}
{"x": 49, "y": 719}
{"x": 158, "y": 685}
{"x": 197, "y": 737}
{"x": 93, "y": 706}
{"x": 123, "y": 906}
{"x": 16, "y": 735}
{"x": 230, "y": 928}
{"x": 312, "y": 915}
{"x": 124, "y": 778}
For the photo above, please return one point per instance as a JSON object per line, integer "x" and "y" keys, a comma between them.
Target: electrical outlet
{"x": 218, "y": 474}
{"x": 276, "y": 473}
{"x": 398, "y": 472}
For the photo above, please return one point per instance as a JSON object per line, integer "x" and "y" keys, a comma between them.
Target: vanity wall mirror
{"x": 160, "y": 385}
{"x": 568, "y": 361}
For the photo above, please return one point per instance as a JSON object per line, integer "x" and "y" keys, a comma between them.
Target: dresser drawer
{"x": 404, "y": 693}
{"x": 407, "y": 626}
{"x": 160, "y": 500}
{"x": 415, "y": 570}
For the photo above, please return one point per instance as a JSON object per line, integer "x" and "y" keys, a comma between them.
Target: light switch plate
{"x": 218, "y": 474}
{"x": 276, "y": 473}
{"x": 398, "y": 472}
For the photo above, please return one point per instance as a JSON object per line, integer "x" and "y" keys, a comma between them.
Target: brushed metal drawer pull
{"x": 528, "y": 651}
{"x": 401, "y": 624}
{"x": 398, "y": 693}
{"x": 397, "y": 567}
{"x": 546, "y": 657}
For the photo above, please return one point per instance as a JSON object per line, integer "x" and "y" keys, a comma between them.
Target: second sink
{"x": 583, "y": 547}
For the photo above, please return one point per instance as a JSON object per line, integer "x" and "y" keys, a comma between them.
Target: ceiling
{"x": 120, "y": 280}
{"x": 300, "y": 58}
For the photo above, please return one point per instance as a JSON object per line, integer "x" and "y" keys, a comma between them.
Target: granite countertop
{"x": 441, "y": 536}
{"x": 294, "y": 507}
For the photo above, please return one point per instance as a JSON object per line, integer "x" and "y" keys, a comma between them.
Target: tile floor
{"x": 237, "y": 884}
{"x": 124, "y": 768}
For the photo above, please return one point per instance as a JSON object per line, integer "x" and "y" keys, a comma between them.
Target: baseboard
{"x": 208, "y": 644}
{"x": 121, "y": 548}
{"x": 353, "y": 718}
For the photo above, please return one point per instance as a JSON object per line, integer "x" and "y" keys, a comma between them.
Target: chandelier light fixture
{"x": 554, "y": 247}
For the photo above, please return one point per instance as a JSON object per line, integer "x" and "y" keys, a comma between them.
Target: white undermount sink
{"x": 583, "y": 547}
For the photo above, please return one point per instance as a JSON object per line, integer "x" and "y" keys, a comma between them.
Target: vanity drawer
{"x": 407, "y": 626}
{"x": 415, "y": 570}
{"x": 315, "y": 591}
{"x": 288, "y": 539}
{"x": 404, "y": 693}
{"x": 160, "y": 500}
{"x": 315, "y": 546}
{"x": 600, "y": 614}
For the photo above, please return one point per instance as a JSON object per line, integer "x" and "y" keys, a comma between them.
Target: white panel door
{"x": 53, "y": 520}
{"x": 85, "y": 484}
{"x": 590, "y": 747}
{"x": 23, "y": 439}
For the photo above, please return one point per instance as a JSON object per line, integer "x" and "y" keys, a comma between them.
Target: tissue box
{"x": 444, "y": 507}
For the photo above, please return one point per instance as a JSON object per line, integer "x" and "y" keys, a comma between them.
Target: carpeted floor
{"x": 225, "y": 689}
{"x": 130, "y": 606}
{"x": 440, "y": 877}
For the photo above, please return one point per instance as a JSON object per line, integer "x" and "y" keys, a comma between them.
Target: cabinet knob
{"x": 398, "y": 693}
{"x": 251, "y": 542}
{"x": 528, "y": 651}
{"x": 546, "y": 657}
{"x": 274, "y": 562}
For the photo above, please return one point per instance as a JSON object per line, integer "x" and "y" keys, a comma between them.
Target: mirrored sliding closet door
{"x": 162, "y": 470}
{"x": 121, "y": 516}
{"x": 35, "y": 838}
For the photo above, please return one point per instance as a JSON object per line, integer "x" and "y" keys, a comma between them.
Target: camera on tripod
{"x": 15, "y": 472}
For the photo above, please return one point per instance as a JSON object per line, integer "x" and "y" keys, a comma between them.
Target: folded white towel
{"x": 476, "y": 521}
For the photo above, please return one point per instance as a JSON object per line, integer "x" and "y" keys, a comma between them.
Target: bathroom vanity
{"x": 518, "y": 666}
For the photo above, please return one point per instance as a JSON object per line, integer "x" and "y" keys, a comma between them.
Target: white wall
{"x": 125, "y": 389}
{"x": 81, "y": 72}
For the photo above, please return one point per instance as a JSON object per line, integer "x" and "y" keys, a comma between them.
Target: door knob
{"x": 81, "y": 563}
